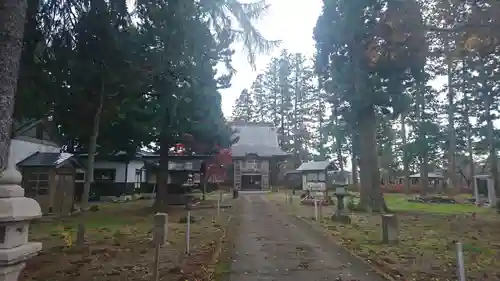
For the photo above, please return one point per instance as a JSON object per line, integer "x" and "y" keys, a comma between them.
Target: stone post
{"x": 16, "y": 212}
{"x": 390, "y": 229}
{"x": 80, "y": 235}
{"x": 492, "y": 197}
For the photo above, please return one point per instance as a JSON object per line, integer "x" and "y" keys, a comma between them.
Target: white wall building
{"x": 29, "y": 138}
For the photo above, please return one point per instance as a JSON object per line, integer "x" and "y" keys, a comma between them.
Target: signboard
{"x": 316, "y": 186}
{"x": 318, "y": 195}
{"x": 181, "y": 165}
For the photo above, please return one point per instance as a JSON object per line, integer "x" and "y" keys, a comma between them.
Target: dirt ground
{"x": 119, "y": 245}
{"x": 271, "y": 245}
{"x": 426, "y": 250}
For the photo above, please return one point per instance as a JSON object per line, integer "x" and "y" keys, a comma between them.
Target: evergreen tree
{"x": 284, "y": 95}
{"x": 244, "y": 107}
{"x": 373, "y": 68}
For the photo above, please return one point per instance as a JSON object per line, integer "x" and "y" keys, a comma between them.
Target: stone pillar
{"x": 390, "y": 229}
{"x": 492, "y": 197}
{"x": 16, "y": 211}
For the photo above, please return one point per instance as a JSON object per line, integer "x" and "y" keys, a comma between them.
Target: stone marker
{"x": 160, "y": 229}
{"x": 16, "y": 212}
{"x": 160, "y": 233}
{"x": 390, "y": 228}
{"x": 80, "y": 235}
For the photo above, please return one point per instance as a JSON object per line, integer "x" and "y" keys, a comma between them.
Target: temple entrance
{"x": 251, "y": 182}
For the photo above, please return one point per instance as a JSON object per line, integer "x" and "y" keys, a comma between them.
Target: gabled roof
{"x": 256, "y": 138}
{"x": 47, "y": 159}
{"x": 316, "y": 166}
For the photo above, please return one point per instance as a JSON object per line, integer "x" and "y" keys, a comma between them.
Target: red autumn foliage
{"x": 217, "y": 169}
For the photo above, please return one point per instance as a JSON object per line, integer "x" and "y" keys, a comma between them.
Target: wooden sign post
{"x": 460, "y": 262}
{"x": 315, "y": 210}
{"x": 188, "y": 231}
{"x": 218, "y": 208}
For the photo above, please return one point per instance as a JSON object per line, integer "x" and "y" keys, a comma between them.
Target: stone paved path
{"x": 271, "y": 245}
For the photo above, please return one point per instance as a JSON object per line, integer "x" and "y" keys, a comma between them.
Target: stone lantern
{"x": 16, "y": 212}
{"x": 340, "y": 214}
{"x": 340, "y": 193}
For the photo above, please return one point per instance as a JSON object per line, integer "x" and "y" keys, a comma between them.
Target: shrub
{"x": 351, "y": 204}
{"x": 94, "y": 208}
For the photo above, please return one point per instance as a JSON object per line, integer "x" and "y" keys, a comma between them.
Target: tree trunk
{"x": 354, "y": 168}
{"x": 12, "y": 18}
{"x": 354, "y": 157}
{"x": 168, "y": 106}
{"x": 31, "y": 40}
{"x": 470, "y": 151}
{"x": 371, "y": 197}
{"x": 89, "y": 175}
{"x": 296, "y": 143}
{"x": 452, "y": 165}
{"x": 321, "y": 118}
{"x": 422, "y": 141}
{"x": 424, "y": 174}
{"x": 161, "y": 200}
{"x": 406, "y": 168}
{"x": 490, "y": 136}
{"x": 338, "y": 144}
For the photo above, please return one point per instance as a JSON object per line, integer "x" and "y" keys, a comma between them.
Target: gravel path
{"x": 271, "y": 245}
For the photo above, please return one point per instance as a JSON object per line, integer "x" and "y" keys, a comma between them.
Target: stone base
{"x": 19, "y": 254}
{"x": 11, "y": 273}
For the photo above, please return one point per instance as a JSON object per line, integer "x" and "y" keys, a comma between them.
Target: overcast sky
{"x": 289, "y": 21}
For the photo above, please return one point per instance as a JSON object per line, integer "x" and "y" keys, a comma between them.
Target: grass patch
{"x": 222, "y": 270}
{"x": 400, "y": 203}
{"x": 119, "y": 245}
{"x": 426, "y": 250}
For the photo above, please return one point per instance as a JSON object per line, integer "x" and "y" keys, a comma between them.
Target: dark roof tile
{"x": 45, "y": 159}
